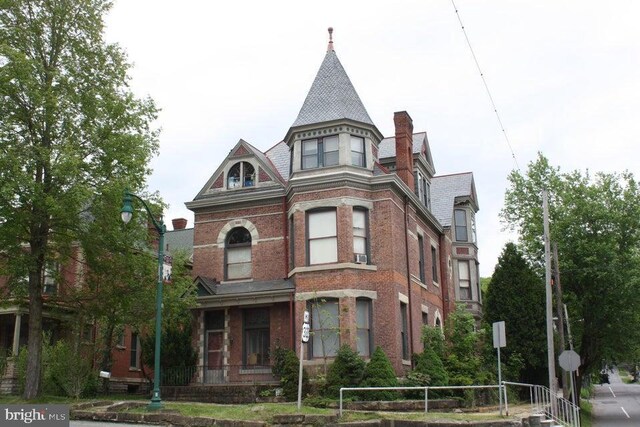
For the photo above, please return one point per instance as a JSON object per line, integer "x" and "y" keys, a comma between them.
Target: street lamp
{"x": 126, "y": 214}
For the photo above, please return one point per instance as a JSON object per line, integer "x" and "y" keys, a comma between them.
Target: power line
{"x": 486, "y": 86}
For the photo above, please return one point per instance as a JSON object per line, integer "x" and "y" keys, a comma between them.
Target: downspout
{"x": 444, "y": 268}
{"x": 285, "y": 228}
{"x": 406, "y": 241}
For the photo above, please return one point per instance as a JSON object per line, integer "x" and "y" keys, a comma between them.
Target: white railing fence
{"x": 546, "y": 402}
{"x": 542, "y": 400}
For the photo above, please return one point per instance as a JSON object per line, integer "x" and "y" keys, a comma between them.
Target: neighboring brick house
{"x": 58, "y": 320}
{"x": 127, "y": 372}
{"x": 337, "y": 220}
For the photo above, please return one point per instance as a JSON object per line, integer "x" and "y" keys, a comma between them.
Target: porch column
{"x": 16, "y": 334}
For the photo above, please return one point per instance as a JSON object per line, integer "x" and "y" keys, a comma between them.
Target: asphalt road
{"x": 616, "y": 404}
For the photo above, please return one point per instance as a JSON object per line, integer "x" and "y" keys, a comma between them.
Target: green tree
{"x": 71, "y": 133}
{"x": 379, "y": 373}
{"x": 429, "y": 362}
{"x": 516, "y": 296}
{"x": 290, "y": 375}
{"x": 178, "y": 298}
{"x": 595, "y": 220}
{"x": 345, "y": 371}
{"x": 463, "y": 359}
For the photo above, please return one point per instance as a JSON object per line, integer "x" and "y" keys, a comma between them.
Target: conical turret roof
{"x": 332, "y": 96}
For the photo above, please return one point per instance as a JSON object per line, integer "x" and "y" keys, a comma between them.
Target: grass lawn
{"x": 266, "y": 411}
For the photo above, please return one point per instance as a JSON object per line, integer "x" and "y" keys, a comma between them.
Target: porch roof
{"x": 216, "y": 294}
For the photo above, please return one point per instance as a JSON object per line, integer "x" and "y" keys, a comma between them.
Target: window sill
{"x": 336, "y": 266}
{"x": 406, "y": 362}
{"x": 134, "y": 369}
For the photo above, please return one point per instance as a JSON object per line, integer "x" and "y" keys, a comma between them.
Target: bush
{"x": 415, "y": 379}
{"x": 379, "y": 373}
{"x": 429, "y": 364}
{"x": 290, "y": 375}
{"x": 345, "y": 371}
{"x": 64, "y": 372}
{"x": 278, "y": 356}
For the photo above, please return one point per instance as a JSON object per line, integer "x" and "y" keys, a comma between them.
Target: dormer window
{"x": 242, "y": 174}
{"x": 320, "y": 152}
{"x": 357, "y": 151}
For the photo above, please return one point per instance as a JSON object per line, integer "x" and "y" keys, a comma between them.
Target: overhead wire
{"x": 486, "y": 86}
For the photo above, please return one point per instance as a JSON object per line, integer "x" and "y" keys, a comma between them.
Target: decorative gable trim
{"x": 263, "y": 176}
{"x": 219, "y": 182}
{"x": 240, "y": 151}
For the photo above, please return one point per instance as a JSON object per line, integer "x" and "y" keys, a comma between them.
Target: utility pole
{"x": 547, "y": 261}
{"x": 560, "y": 312}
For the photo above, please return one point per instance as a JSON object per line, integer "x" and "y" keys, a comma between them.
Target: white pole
{"x": 499, "y": 380}
{"x": 300, "y": 376}
{"x": 304, "y": 337}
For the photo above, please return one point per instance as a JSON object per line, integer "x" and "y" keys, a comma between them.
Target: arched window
{"x": 238, "y": 254}
{"x": 242, "y": 174}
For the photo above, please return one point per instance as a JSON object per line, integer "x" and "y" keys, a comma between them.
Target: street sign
{"x": 305, "y": 332}
{"x": 569, "y": 360}
{"x": 499, "y": 335}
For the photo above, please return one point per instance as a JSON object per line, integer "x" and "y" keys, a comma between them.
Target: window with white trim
{"x": 322, "y": 237}
{"x": 461, "y": 225}
{"x": 242, "y": 174}
{"x": 134, "y": 352}
{"x": 421, "y": 260}
{"x": 360, "y": 232}
{"x": 357, "y": 151}
{"x": 434, "y": 264}
{"x": 325, "y": 327}
{"x": 363, "y": 326}
{"x": 320, "y": 152}
{"x": 464, "y": 280}
{"x": 404, "y": 331}
{"x": 238, "y": 254}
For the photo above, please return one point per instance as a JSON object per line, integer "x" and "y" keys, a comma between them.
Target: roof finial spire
{"x": 330, "y": 47}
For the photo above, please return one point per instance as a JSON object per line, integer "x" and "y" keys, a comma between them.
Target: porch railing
{"x": 222, "y": 374}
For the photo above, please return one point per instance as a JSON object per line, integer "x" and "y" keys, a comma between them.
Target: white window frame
{"x": 322, "y": 237}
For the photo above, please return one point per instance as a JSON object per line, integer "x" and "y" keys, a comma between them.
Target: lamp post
{"x": 127, "y": 213}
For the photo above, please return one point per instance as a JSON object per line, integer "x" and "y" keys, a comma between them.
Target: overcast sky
{"x": 564, "y": 75}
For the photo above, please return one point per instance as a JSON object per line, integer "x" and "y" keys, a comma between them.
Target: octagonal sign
{"x": 569, "y": 360}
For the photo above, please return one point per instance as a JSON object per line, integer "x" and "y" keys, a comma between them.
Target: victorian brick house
{"x": 335, "y": 219}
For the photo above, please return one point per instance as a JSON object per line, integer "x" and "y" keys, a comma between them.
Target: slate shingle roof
{"x": 280, "y": 157}
{"x": 332, "y": 96}
{"x": 387, "y": 147}
{"x": 179, "y": 239}
{"x": 444, "y": 190}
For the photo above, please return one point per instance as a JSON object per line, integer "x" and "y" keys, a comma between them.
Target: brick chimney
{"x": 179, "y": 223}
{"x": 404, "y": 147}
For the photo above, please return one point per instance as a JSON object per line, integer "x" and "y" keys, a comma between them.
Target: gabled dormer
{"x": 333, "y": 129}
{"x": 245, "y": 170}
